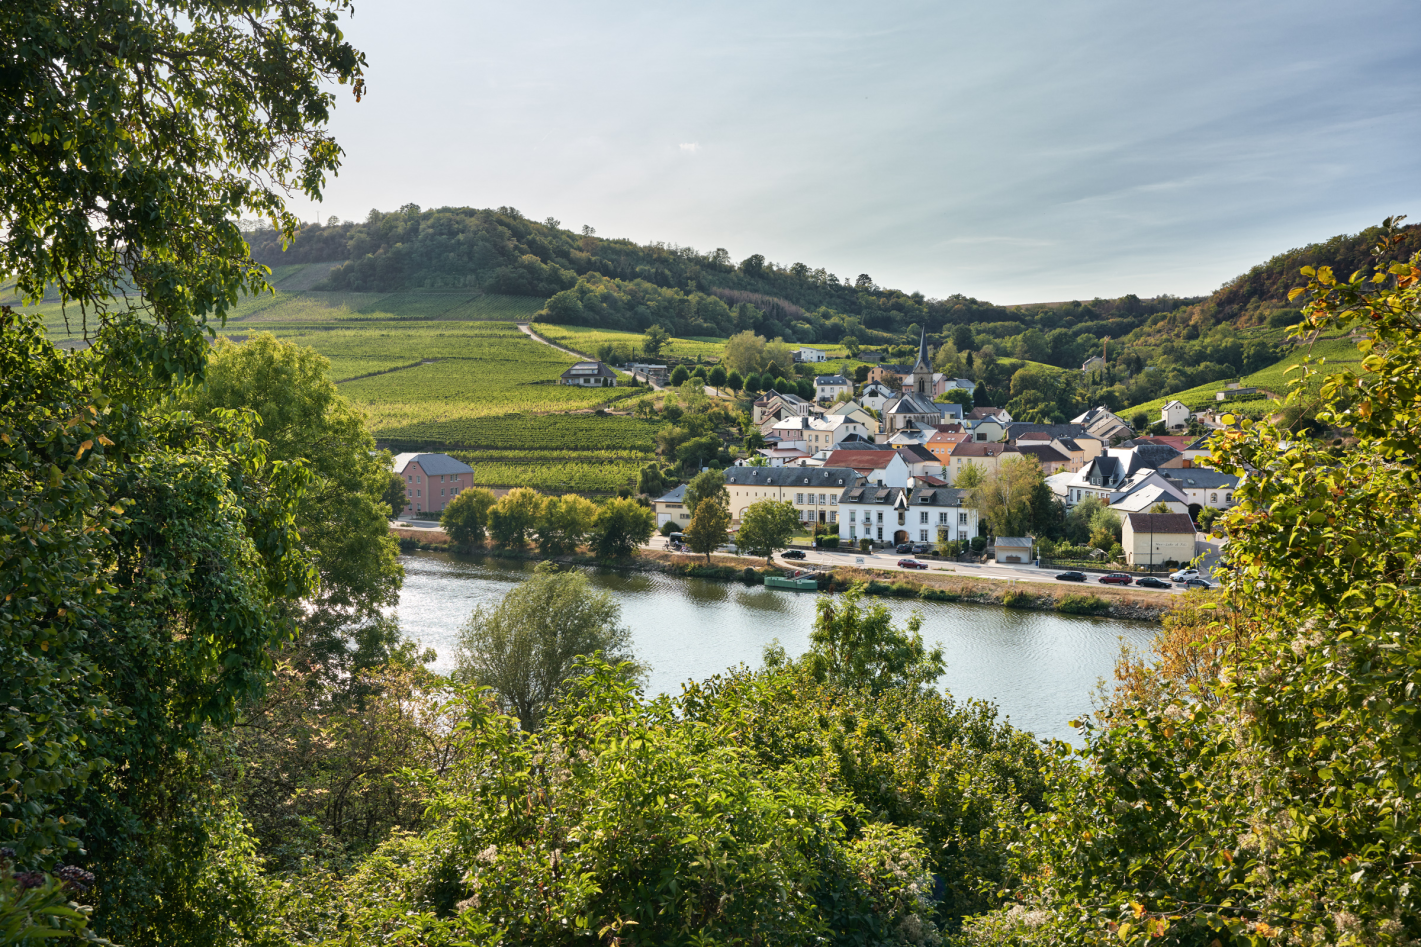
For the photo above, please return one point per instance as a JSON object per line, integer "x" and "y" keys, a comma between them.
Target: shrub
{"x": 1018, "y": 599}
{"x": 865, "y": 544}
{"x": 1077, "y": 603}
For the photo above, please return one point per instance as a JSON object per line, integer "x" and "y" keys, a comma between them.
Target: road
{"x": 527, "y": 330}
{"x": 888, "y": 561}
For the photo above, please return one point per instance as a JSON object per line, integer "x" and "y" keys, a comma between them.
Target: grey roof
{"x": 589, "y": 370}
{"x": 1150, "y": 456}
{"x": 1069, "y": 443}
{"x": 950, "y": 409}
{"x": 788, "y": 397}
{"x": 1201, "y": 478}
{"x": 916, "y": 454}
{"x": 434, "y": 465}
{"x": 937, "y": 496}
{"x": 1013, "y": 541}
{"x": 896, "y": 369}
{"x": 1105, "y": 471}
{"x": 1161, "y": 523}
{"x": 872, "y": 493}
{"x": 675, "y": 496}
{"x": 830, "y": 380}
{"x": 806, "y": 477}
{"x": 912, "y": 404}
{"x": 877, "y": 384}
{"x": 1017, "y": 428}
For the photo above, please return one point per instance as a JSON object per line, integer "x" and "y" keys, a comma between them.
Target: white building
{"x": 1175, "y": 414}
{"x": 807, "y": 354}
{"x": 814, "y": 491}
{"x": 876, "y": 394}
{"x": 900, "y": 515}
{"x": 1152, "y": 539}
{"x": 818, "y": 433}
{"x": 1204, "y": 487}
{"x": 829, "y": 387}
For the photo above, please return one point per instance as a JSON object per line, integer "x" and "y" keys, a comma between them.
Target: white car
{"x": 1184, "y": 575}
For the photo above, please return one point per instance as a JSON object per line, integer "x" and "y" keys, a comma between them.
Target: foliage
{"x": 465, "y": 518}
{"x": 710, "y": 525}
{"x": 856, "y": 647}
{"x": 1014, "y": 499}
{"x": 708, "y": 484}
{"x": 1077, "y": 603}
{"x": 617, "y": 820}
{"x": 765, "y": 526}
{"x": 622, "y": 525}
{"x": 1256, "y": 782}
{"x": 566, "y": 521}
{"x": 515, "y": 515}
{"x": 526, "y": 648}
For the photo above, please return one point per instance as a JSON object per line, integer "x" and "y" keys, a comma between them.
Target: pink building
{"x": 432, "y": 480}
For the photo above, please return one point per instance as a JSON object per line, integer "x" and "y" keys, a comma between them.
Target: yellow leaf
{"x": 1295, "y": 292}
{"x": 1139, "y": 909}
{"x": 83, "y": 447}
{"x": 104, "y": 440}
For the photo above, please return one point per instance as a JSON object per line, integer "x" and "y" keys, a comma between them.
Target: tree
{"x": 962, "y": 339}
{"x": 394, "y": 495}
{"x": 717, "y": 377}
{"x": 679, "y": 376}
{"x": 710, "y": 525}
{"x": 1140, "y": 421}
{"x": 708, "y": 484}
{"x": 698, "y": 451}
{"x": 734, "y": 382}
{"x": 169, "y": 556}
{"x": 778, "y": 354}
{"x": 655, "y": 339}
{"x": 512, "y": 519}
{"x": 969, "y": 477}
{"x": 526, "y": 647}
{"x": 956, "y": 396}
{"x": 649, "y": 481}
{"x": 753, "y": 384}
{"x": 860, "y": 648}
{"x": 744, "y": 352}
{"x": 851, "y": 344}
{"x": 622, "y": 526}
{"x": 465, "y": 519}
{"x": 341, "y": 517}
{"x": 766, "y": 526}
{"x": 1004, "y": 498}
{"x": 566, "y": 522}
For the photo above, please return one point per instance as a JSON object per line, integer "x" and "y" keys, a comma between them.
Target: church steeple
{"x": 923, "y": 369}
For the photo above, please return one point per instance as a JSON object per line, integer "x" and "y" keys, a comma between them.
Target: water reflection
{"x": 1038, "y": 667}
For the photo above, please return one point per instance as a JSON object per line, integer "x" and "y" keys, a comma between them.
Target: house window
{"x": 1213, "y": 498}
{"x": 833, "y": 499}
{"x": 922, "y": 535}
{"x": 923, "y": 516}
{"x": 799, "y": 499}
{"x": 833, "y": 517}
{"x": 880, "y": 532}
{"x": 1228, "y": 497}
{"x": 821, "y": 499}
{"x": 942, "y": 519}
{"x": 853, "y": 516}
{"x": 962, "y": 518}
{"x": 880, "y": 519}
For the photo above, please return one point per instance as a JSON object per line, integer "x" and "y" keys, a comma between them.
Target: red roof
{"x": 860, "y": 459}
{"x": 976, "y": 449}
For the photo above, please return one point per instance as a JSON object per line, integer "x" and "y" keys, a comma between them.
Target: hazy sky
{"x": 1012, "y": 151}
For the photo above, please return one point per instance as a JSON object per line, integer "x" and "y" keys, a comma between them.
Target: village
{"x": 891, "y": 463}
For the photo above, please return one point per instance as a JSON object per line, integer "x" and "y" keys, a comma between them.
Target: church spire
{"x": 922, "y": 364}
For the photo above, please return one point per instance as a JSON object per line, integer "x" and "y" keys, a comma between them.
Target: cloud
{"x": 691, "y": 148}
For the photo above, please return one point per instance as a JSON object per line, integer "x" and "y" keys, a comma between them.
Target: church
{"x": 914, "y": 408}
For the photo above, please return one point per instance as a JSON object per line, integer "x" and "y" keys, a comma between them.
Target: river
{"x": 1039, "y": 668}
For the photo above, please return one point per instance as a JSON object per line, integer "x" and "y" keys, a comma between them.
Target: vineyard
{"x": 547, "y": 435}
{"x": 314, "y": 307}
{"x": 553, "y": 476}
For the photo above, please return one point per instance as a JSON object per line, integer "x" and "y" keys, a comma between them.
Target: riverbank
{"x": 1019, "y": 594}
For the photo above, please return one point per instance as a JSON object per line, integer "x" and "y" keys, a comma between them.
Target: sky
{"x": 1012, "y": 151}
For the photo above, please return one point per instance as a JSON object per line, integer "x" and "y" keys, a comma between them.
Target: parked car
{"x": 1071, "y": 577}
{"x": 1197, "y": 583}
{"x": 1184, "y": 575}
{"x": 1115, "y": 578}
{"x": 792, "y": 554}
{"x": 922, "y": 549}
{"x": 911, "y": 564}
{"x": 903, "y": 547}
{"x": 1150, "y": 582}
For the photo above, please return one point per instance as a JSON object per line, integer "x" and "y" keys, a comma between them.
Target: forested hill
{"x": 619, "y": 284}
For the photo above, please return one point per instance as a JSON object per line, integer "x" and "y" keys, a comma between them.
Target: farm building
{"x": 426, "y": 473}
{"x": 589, "y": 374}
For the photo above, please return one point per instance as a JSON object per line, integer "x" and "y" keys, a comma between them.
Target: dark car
{"x": 1197, "y": 584}
{"x": 792, "y": 554}
{"x": 1150, "y": 582}
{"x": 1115, "y": 578}
{"x": 1071, "y": 577}
{"x": 922, "y": 549}
{"x": 903, "y": 547}
{"x": 911, "y": 564}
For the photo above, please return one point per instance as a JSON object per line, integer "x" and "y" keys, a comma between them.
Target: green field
{"x": 1275, "y": 378}
{"x": 313, "y": 307}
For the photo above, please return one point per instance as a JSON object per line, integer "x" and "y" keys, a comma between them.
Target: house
{"x": 672, "y": 509}
{"x": 1151, "y": 539}
{"x": 1051, "y": 460}
{"x": 1233, "y": 391}
{"x": 788, "y": 403}
{"x": 782, "y": 456}
{"x": 1175, "y": 414}
{"x": 1203, "y": 487}
{"x": 875, "y": 395}
{"x": 1149, "y": 496}
{"x": 656, "y": 373}
{"x": 889, "y": 376}
{"x": 884, "y": 468}
{"x": 973, "y": 453}
{"x": 854, "y": 412}
{"x": 590, "y": 375}
{"x": 987, "y": 424}
{"x": 921, "y": 461}
{"x": 1093, "y": 364}
{"x": 1102, "y": 423}
{"x": 942, "y": 442}
{"x": 807, "y": 354}
{"x": 425, "y": 473}
{"x": 1016, "y": 549}
{"x": 900, "y": 514}
{"x": 814, "y": 491}
{"x": 818, "y": 433}
{"x": 1118, "y": 472}
{"x": 829, "y": 387}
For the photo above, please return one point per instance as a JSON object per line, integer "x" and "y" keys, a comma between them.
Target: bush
{"x": 667, "y": 528}
{"x": 1077, "y": 603}
{"x": 1016, "y": 599}
{"x": 979, "y": 543}
{"x": 865, "y": 544}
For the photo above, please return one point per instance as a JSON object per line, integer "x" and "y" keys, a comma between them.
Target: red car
{"x": 911, "y": 564}
{"x": 1115, "y": 578}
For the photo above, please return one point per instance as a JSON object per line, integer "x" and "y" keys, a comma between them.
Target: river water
{"x": 1039, "y": 668}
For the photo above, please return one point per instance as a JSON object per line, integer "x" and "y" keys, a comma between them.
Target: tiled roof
{"x": 791, "y": 476}
{"x": 1160, "y": 522}
{"x": 675, "y": 496}
{"x": 830, "y": 380}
